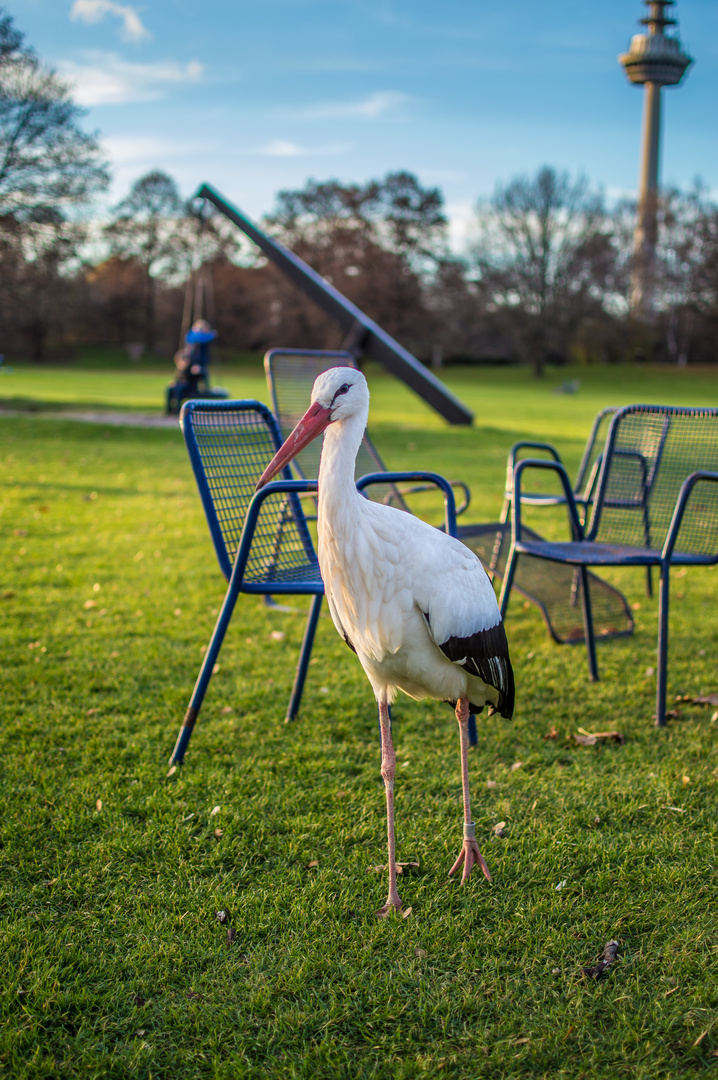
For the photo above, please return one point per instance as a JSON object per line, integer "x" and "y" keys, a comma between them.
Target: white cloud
{"x": 377, "y": 104}
{"x": 283, "y": 148}
{"x": 138, "y": 149}
{"x": 92, "y": 11}
{"x": 106, "y": 79}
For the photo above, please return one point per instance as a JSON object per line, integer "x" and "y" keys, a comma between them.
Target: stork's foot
{"x": 470, "y": 856}
{"x": 393, "y": 903}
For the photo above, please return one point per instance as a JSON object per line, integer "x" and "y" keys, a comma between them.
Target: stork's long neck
{"x": 337, "y": 490}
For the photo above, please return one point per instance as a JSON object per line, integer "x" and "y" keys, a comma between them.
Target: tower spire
{"x": 654, "y": 60}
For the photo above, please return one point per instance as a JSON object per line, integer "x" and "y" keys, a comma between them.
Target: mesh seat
{"x": 655, "y": 504}
{"x": 261, "y": 538}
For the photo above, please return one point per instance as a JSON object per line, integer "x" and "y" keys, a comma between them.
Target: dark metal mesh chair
{"x": 556, "y": 590}
{"x": 585, "y": 484}
{"x": 656, "y": 504}
{"x": 261, "y": 538}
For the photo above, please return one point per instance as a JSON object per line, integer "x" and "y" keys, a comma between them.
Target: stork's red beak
{"x": 313, "y": 423}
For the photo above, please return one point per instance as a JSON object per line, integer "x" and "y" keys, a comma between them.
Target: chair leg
{"x": 304, "y": 657}
{"x": 588, "y": 627}
{"x": 205, "y": 674}
{"x": 508, "y": 581}
{"x": 649, "y": 581}
{"x": 662, "y": 658}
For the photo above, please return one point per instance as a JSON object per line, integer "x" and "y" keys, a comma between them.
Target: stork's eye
{"x": 342, "y": 390}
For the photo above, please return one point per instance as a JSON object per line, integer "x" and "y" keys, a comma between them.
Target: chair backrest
{"x": 230, "y": 444}
{"x": 649, "y": 452}
{"x": 290, "y": 378}
{"x": 593, "y": 452}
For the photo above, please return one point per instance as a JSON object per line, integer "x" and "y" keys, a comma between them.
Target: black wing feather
{"x": 486, "y": 654}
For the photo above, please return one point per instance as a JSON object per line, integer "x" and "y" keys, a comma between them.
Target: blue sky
{"x": 257, "y": 95}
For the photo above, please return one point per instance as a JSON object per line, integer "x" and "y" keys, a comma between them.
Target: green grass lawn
{"x": 111, "y": 872}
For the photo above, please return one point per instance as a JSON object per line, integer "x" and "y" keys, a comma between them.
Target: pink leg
{"x": 470, "y": 855}
{"x": 388, "y": 765}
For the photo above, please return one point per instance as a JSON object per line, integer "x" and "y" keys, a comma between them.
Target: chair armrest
{"x": 275, "y": 487}
{"x": 513, "y": 455}
{"x": 681, "y": 503}
{"x": 464, "y": 488}
{"x": 417, "y": 477}
{"x": 559, "y": 469}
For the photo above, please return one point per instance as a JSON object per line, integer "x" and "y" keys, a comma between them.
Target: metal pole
{"x": 646, "y": 234}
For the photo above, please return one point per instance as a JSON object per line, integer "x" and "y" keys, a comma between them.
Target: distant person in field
{"x": 193, "y": 359}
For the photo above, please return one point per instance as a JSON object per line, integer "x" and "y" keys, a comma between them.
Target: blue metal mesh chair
{"x": 556, "y": 590}
{"x": 656, "y": 504}
{"x": 261, "y": 539}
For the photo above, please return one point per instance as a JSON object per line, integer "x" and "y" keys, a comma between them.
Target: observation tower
{"x": 654, "y": 60}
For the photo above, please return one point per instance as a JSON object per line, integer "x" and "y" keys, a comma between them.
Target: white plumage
{"x": 415, "y": 604}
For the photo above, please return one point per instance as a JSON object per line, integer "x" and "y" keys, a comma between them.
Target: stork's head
{"x": 342, "y": 391}
{"x": 337, "y": 395}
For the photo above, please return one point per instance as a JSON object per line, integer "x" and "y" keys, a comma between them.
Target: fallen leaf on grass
{"x": 193, "y": 994}
{"x": 172, "y": 770}
{"x": 419, "y": 952}
{"x": 218, "y": 834}
{"x": 400, "y": 867}
{"x": 277, "y": 635}
{"x": 701, "y": 699}
{"x": 214, "y": 810}
{"x": 140, "y": 1032}
{"x": 98, "y": 804}
{"x": 312, "y": 865}
{"x": 562, "y": 885}
{"x": 552, "y": 734}
{"x": 608, "y": 957}
{"x": 231, "y": 935}
{"x": 491, "y": 783}
{"x": 139, "y": 1000}
{"x": 498, "y": 829}
{"x": 520, "y": 1042}
{"x": 516, "y": 765}
{"x": 590, "y": 738}
{"x": 406, "y": 913}
{"x": 227, "y": 709}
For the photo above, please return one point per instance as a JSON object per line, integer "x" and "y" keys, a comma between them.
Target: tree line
{"x": 544, "y": 279}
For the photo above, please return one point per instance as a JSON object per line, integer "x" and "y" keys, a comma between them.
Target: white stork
{"x": 413, "y": 603}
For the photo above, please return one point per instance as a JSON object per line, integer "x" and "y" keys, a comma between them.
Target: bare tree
{"x": 45, "y": 157}
{"x": 378, "y": 243}
{"x": 149, "y": 226}
{"x": 545, "y": 260}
